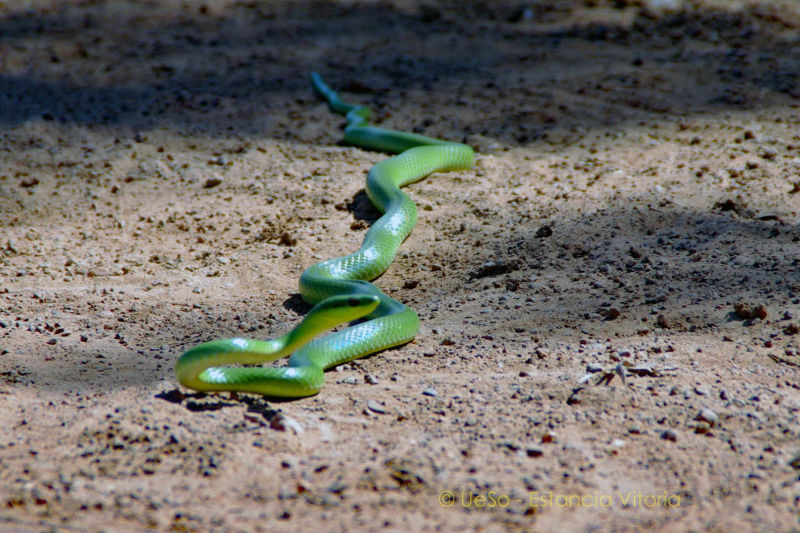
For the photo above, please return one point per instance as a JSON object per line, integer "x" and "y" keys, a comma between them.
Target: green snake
{"x": 339, "y": 289}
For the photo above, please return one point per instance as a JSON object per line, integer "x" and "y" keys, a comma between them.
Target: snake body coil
{"x": 339, "y": 288}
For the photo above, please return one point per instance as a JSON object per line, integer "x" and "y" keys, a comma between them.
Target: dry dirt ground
{"x": 610, "y": 300}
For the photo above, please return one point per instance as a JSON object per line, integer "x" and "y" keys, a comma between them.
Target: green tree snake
{"x": 340, "y": 288}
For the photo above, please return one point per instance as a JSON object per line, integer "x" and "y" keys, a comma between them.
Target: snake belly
{"x": 339, "y": 288}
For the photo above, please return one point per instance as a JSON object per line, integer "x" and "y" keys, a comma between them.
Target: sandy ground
{"x": 610, "y": 300}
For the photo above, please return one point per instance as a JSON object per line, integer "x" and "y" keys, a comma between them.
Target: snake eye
{"x": 353, "y": 302}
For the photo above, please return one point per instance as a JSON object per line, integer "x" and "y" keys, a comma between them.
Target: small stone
{"x": 375, "y": 407}
{"x": 702, "y": 428}
{"x": 429, "y": 392}
{"x": 593, "y": 368}
{"x": 52, "y": 341}
{"x": 212, "y": 182}
{"x": 745, "y": 310}
{"x": 534, "y": 452}
{"x": 612, "y": 313}
{"x": 336, "y": 488}
{"x": 643, "y": 370}
{"x": 668, "y": 434}
{"x": 410, "y": 284}
{"x": 709, "y": 416}
{"x": 622, "y": 373}
{"x": 371, "y": 379}
{"x": 510, "y": 445}
{"x": 795, "y": 463}
{"x": 549, "y": 437}
{"x": 575, "y": 396}
{"x": 662, "y": 322}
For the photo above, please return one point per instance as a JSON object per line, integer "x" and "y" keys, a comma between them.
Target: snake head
{"x": 340, "y": 309}
{"x": 355, "y": 305}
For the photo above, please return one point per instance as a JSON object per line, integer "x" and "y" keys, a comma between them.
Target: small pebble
{"x": 746, "y": 310}
{"x": 668, "y": 434}
{"x": 549, "y": 437}
{"x": 795, "y": 463}
{"x": 375, "y": 407}
{"x": 429, "y": 392}
{"x": 707, "y": 415}
{"x": 510, "y": 445}
{"x": 702, "y": 428}
{"x": 643, "y": 370}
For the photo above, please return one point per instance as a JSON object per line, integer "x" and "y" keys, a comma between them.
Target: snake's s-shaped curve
{"x": 339, "y": 288}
